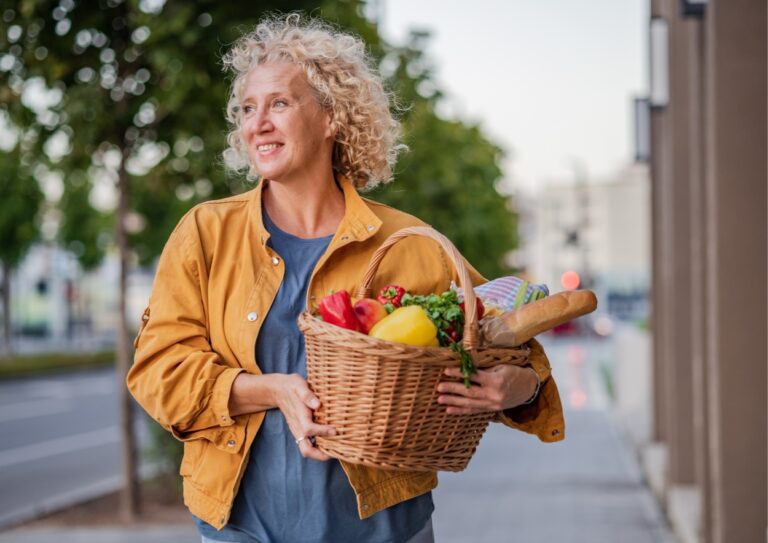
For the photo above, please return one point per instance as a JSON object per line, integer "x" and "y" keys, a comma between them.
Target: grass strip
{"x": 30, "y": 365}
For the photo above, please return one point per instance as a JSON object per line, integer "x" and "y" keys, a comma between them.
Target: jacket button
{"x": 252, "y": 316}
{"x": 555, "y": 432}
{"x": 231, "y": 443}
{"x": 275, "y": 260}
{"x": 366, "y": 506}
{"x": 370, "y": 227}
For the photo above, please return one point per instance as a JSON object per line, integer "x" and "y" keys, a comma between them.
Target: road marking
{"x": 61, "y": 445}
{"x": 28, "y": 410}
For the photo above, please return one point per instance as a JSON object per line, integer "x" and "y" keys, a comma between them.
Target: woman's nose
{"x": 263, "y": 121}
{"x": 259, "y": 123}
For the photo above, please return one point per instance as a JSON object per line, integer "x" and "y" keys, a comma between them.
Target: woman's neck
{"x": 305, "y": 210}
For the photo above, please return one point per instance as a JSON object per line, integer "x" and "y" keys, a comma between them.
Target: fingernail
{"x": 315, "y": 403}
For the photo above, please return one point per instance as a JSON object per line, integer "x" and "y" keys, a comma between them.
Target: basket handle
{"x": 471, "y": 326}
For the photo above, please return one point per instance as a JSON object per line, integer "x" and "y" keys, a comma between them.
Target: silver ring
{"x": 302, "y": 438}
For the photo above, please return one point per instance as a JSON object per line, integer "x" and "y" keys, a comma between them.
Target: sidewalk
{"x": 587, "y": 489}
{"x": 146, "y": 534}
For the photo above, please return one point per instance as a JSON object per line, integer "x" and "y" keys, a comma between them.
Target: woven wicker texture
{"x": 381, "y": 396}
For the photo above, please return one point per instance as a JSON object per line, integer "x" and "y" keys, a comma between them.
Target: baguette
{"x": 515, "y": 327}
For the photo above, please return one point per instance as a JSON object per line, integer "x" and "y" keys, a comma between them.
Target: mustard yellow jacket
{"x": 215, "y": 282}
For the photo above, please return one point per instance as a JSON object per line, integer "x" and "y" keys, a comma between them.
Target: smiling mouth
{"x": 268, "y": 147}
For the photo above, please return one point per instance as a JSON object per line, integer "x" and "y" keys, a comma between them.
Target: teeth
{"x": 267, "y": 147}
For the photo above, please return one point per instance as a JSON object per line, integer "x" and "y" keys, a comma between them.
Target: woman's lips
{"x": 267, "y": 149}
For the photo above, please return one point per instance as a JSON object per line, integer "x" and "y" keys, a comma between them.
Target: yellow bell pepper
{"x": 410, "y": 325}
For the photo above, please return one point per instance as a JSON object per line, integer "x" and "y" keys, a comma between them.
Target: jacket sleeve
{"x": 176, "y": 376}
{"x": 544, "y": 416}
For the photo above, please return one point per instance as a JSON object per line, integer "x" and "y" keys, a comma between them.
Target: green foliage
{"x": 136, "y": 84}
{"x": 20, "y": 200}
{"x": 449, "y": 176}
{"x": 163, "y": 450}
{"x": 446, "y": 314}
{"x": 15, "y": 367}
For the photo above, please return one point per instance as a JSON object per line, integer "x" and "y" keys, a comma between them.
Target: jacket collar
{"x": 359, "y": 222}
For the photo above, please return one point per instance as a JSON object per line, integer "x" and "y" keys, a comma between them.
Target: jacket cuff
{"x": 223, "y": 431}
{"x": 542, "y": 417}
{"x": 222, "y": 390}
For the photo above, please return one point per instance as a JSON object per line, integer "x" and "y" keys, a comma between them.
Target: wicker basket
{"x": 381, "y": 396}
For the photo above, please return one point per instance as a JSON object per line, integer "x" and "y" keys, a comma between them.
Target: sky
{"x": 550, "y": 81}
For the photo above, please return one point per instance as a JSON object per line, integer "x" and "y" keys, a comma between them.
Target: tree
{"x": 20, "y": 200}
{"x": 141, "y": 113}
{"x": 449, "y": 176}
{"x": 140, "y": 118}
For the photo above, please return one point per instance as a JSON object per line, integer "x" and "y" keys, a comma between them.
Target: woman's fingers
{"x": 459, "y": 389}
{"x": 309, "y": 450}
{"x": 306, "y": 442}
{"x": 476, "y": 403}
{"x": 298, "y": 405}
{"x": 309, "y": 399}
{"x": 483, "y": 395}
{"x": 314, "y": 430}
{"x": 478, "y": 377}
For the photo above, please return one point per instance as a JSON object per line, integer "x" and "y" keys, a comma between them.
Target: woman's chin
{"x": 268, "y": 171}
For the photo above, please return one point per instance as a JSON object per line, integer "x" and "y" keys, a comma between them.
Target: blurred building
{"x": 601, "y": 232}
{"x": 55, "y": 305}
{"x": 708, "y": 169}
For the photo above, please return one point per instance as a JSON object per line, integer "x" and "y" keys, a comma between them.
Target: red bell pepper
{"x": 337, "y": 309}
{"x": 391, "y": 294}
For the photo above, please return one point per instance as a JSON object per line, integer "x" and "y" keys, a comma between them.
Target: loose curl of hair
{"x": 345, "y": 82}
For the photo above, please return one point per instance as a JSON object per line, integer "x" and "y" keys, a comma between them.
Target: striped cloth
{"x": 509, "y": 292}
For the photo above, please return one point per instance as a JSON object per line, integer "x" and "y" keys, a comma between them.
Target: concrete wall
{"x": 709, "y": 181}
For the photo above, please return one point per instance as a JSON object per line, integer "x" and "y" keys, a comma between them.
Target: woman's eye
{"x": 279, "y": 103}
{"x": 248, "y": 109}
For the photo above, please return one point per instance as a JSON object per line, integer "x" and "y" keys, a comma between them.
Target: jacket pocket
{"x": 144, "y": 321}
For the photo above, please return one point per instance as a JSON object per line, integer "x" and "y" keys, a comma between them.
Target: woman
{"x": 219, "y": 359}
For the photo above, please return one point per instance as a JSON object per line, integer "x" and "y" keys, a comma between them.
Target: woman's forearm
{"x": 253, "y": 393}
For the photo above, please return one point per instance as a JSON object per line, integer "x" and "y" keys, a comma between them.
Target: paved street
{"x": 61, "y": 442}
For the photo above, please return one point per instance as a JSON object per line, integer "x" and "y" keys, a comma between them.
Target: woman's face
{"x": 286, "y": 131}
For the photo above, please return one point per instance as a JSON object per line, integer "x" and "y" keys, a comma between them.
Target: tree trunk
{"x": 130, "y": 497}
{"x": 5, "y": 290}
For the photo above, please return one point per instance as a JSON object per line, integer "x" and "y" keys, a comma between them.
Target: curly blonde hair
{"x": 345, "y": 82}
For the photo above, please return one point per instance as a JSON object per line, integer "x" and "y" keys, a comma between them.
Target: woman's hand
{"x": 290, "y": 394}
{"x": 297, "y": 402}
{"x": 495, "y": 389}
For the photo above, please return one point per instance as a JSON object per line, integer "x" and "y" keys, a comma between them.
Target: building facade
{"x": 600, "y": 230}
{"x": 709, "y": 276}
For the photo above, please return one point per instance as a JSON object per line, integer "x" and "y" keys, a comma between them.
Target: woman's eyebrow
{"x": 273, "y": 94}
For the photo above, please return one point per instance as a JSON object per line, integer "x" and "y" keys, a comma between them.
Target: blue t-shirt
{"x": 284, "y": 497}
